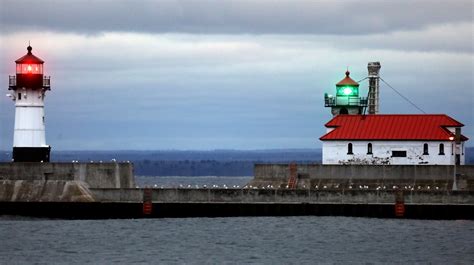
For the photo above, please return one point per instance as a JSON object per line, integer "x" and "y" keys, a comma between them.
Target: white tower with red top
{"x": 29, "y": 87}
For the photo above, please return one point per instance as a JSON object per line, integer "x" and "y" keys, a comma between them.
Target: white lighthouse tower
{"x": 29, "y": 87}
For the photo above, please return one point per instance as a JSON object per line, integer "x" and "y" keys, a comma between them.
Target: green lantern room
{"x": 346, "y": 100}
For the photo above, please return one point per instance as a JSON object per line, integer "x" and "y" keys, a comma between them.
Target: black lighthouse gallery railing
{"x": 331, "y": 101}
{"x": 12, "y": 84}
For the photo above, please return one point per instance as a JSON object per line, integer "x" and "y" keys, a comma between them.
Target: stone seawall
{"x": 96, "y": 175}
{"x": 61, "y": 182}
{"x": 282, "y": 196}
{"x": 372, "y": 176}
{"x": 44, "y": 191}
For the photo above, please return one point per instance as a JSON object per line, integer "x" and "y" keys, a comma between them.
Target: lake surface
{"x": 257, "y": 240}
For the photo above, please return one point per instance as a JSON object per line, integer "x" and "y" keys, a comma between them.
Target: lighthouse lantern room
{"x": 346, "y": 100}
{"x": 29, "y": 87}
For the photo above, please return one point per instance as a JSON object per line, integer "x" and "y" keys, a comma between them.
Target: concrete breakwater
{"x": 61, "y": 182}
{"x": 422, "y": 177}
{"x": 107, "y": 190}
{"x": 282, "y": 196}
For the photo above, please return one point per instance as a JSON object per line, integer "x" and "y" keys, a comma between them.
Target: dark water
{"x": 257, "y": 240}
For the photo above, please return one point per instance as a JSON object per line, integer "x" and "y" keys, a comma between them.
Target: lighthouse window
{"x": 441, "y": 149}
{"x": 349, "y": 149}
{"x": 425, "y": 149}
{"x": 369, "y": 148}
{"x": 19, "y": 96}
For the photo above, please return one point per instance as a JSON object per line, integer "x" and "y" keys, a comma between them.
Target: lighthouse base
{"x": 31, "y": 154}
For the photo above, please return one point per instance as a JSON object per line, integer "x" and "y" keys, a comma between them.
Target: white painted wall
{"x": 29, "y": 130}
{"x": 335, "y": 152}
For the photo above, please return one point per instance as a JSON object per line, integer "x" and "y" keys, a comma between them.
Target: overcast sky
{"x": 230, "y": 74}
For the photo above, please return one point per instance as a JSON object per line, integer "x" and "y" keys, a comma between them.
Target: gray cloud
{"x": 232, "y": 17}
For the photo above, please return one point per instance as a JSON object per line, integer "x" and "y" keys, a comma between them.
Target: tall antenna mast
{"x": 373, "y": 99}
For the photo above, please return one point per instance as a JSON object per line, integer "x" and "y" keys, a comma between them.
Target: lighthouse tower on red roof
{"x": 29, "y": 87}
{"x": 346, "y": 100}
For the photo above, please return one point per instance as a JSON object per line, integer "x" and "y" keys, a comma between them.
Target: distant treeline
{"x": 189, "y": 163}
{"x": 197, "y": 163}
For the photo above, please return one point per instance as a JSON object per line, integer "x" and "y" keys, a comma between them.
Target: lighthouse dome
{"x": 347, "y": 81}
{"x": 29, "y": 58}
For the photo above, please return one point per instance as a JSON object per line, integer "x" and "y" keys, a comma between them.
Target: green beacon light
{"x": 347, "y": 91}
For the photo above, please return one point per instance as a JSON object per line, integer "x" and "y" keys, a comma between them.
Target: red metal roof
{"x": 29, "y": 58}
{"x": 347, "y": 81}
{"x": 428, "y": 127}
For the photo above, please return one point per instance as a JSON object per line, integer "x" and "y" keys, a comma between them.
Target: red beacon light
{"x": 29, "y": 64}
{"x": 29, "y": 72}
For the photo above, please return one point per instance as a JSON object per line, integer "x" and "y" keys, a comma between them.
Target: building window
{"x": 19, "y": 96}
{"x": 425, "y": 149}
{"x": 369, "y": 148}
{"x": 441, "y": 149}
{"x": 399, "y": 153}
{"x": 349, "y": 149}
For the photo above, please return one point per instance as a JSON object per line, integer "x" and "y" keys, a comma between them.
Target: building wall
{"x": 336, "y": 152}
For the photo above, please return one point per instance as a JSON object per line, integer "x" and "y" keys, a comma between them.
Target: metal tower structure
{"x": 373, "y": 98}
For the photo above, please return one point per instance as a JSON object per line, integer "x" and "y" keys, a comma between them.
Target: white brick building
{"x": 393, "y": 139}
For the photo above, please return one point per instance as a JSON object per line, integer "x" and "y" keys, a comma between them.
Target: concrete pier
{"x": 61, "y": 182}
{"x": 107, "y": 190}
{"x": 373, "y": 176}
